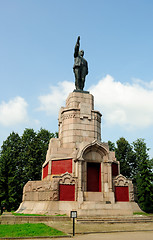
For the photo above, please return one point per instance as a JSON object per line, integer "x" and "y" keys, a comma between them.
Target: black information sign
{"x": 73, "y": 215}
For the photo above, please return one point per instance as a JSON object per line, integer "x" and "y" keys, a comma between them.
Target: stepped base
{"x": 115, "y": 219}
{"x": 87, "y": 208}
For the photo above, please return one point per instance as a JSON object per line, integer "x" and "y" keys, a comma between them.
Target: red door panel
{"x": 45, "y": 171}
{"x": 122, "y": 194}
{"x": 93, "y": 177}
{"x": 66, "y": 192}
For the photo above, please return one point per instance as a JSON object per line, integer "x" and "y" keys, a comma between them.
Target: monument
{"x": 80, "y": 67}
{"x": 79, "y": 173}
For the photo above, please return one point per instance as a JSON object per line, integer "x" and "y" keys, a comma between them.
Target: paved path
{"x": 115, "y": 236}
{"x": 146, "y": 235}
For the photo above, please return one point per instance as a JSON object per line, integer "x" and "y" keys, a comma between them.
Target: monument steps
{"x": 94, "y": 209}
{"x": 114, "y": 219}
{"x": 99, "y": 205}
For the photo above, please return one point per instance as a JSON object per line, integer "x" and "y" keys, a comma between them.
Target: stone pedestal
{"x": 79, "y": 173}
{"x": 78, "y": 121}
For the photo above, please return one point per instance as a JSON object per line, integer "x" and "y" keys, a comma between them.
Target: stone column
{"x": 110, "y": 176}
{"x": 102, "y": 177}
{"x": 80, "y": 192}
{"x": 49, "y": 168}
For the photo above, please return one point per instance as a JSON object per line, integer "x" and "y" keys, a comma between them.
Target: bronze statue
{"x": 80, "y": 67}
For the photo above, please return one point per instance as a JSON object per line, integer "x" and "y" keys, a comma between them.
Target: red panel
{"x": 122, "y": 194}
{"x": 114, "y": 169}
{"x": 45, "y": 171}
{"x": 66, "y": 192}
{"x": 100, "y": 178}
{"x": 93, "y": 177}
{"x": 61, "y": 166}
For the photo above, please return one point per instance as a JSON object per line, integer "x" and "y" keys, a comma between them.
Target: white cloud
{"x": 52, "y": 102}
{"x": 128, "y": 105}
{"x": 13, "y": 112}
{"x": 148, "y": 85}
{"x": 124, "y": 104}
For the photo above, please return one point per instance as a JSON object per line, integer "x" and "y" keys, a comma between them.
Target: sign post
{"x": 73, "y": 215}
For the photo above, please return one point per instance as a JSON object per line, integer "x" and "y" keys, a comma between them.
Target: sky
{"x": 36, "y": 60}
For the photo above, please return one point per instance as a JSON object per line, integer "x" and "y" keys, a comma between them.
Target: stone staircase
{"x": 115, "y": 219}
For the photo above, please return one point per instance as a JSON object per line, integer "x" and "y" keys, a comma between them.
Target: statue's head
{"x": 81, "y": 53}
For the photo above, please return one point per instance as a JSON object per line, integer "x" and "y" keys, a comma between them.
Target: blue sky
{"x": 36, "y": 59}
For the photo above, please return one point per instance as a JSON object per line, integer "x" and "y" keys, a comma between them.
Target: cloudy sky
{"x": 36, "y": 59}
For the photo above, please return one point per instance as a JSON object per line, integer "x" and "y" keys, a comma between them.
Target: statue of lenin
{"x": 80, "y": 67}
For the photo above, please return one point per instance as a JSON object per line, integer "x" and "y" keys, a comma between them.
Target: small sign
{"x": 73, "y": 214}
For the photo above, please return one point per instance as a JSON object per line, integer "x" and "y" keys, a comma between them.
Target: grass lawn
{"x": 23, "y": 214}
{"x": 28, "y": 230}
{"x": 143, "y": 213}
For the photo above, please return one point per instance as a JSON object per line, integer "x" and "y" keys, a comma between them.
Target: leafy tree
{"x": 43, "y": 138}
{"x": 135, "y": 164}
{"x": 34, "y": 148}
{"x": 125, "y": 155}
{"x": 9, "y": 158}
{"x": 28, "y": 154}
{"x": 21, "y": 160}
{"x": 111, "y": 146}
{"x": 144, "y": 177}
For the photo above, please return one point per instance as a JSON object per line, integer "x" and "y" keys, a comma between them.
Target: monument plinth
{"x": 79, "y": 173}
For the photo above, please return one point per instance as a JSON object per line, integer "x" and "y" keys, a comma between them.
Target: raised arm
{"x": 77, "y": 46}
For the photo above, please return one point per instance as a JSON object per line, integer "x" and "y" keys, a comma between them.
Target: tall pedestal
{"x": 80, "y": 173}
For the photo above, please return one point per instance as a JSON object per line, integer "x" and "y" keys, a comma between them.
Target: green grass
{"x": 61, "y": 215}
{"x": 143, "y": 213}
{"x": 23, "y": 214}
{"x": 28, "y": 230}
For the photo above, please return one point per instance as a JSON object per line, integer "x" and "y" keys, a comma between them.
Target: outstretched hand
{"x": 78, "y": 39}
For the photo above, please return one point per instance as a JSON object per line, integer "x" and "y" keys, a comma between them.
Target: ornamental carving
{"x": 120, "y": 180}
{"x": 41, "y": 186}
{"x": 95, "y": 146}
{"x": 68, "y": 116}
{"x": 54, "y": 196}
{"x": 41, "y": 191}
{"x": 66, "y": 178}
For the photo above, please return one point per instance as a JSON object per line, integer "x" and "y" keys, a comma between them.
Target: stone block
{"x": 93, "y": 196}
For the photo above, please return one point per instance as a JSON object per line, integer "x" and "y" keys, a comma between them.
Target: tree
{"x": 125, "y": 155}
{"x": 9, "y": 158}
{"x": 21, "y": 160}
{"x": 136, "y": 164}
{"x": 111, "y": 146}
{"x": 34, "y": 149}
{"x": 144, "y": 177}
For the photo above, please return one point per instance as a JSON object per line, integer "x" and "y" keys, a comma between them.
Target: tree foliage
{"x": 9, "y": 168}
{"x": 144, "y": 177}
{"x": 124, "y": 153}
{"x": 136, "y": 165}
{"x": 21, "y": 160}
